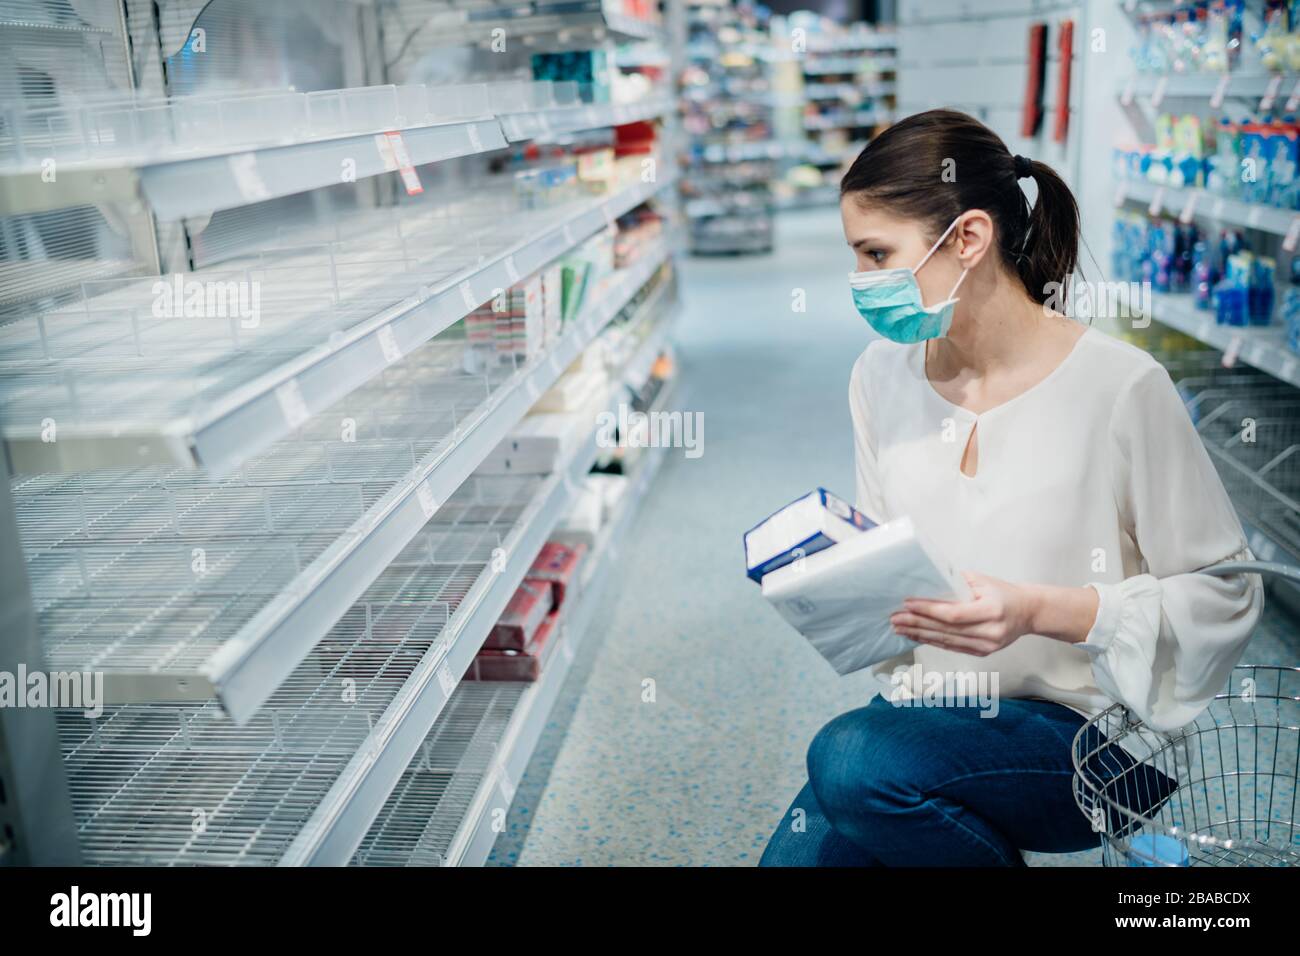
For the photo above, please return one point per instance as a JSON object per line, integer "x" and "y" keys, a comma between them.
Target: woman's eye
{"x": 877, "y": 255}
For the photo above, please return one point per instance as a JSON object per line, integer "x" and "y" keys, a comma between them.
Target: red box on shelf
{"x": 519, "y": 622}
{"x": 512, "y": 665}
{"x": 557, "y": 563}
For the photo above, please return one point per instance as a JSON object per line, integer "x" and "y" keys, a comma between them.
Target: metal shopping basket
{"x": 1220, "y": 791}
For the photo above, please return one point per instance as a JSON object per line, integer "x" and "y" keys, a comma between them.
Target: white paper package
{"x": 841, "y": 599}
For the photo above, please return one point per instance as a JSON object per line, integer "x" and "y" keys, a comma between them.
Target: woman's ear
{"x": 974, "y": 237}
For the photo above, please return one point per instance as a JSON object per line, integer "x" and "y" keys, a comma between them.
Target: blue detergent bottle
{"x": 1156, "y": 849}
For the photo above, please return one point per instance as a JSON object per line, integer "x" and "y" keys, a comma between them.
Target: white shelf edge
{"x": 1202, "y": 204}
{"x": 568, "y": 119}
{"x": 1259, "y": 346}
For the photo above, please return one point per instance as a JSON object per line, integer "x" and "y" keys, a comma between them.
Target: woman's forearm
{"x": 1066, "y": 614}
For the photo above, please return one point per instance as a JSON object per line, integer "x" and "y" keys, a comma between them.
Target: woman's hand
{"x": 999, "y": 613}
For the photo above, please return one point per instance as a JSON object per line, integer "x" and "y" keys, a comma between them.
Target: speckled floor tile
{"x": 700, "y": 775}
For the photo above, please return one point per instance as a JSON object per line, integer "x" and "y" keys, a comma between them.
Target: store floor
{"x": 699, "y": 771}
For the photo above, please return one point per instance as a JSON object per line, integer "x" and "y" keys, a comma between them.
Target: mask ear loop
{"x": 961, "y": 278}
{"x": 938, "y": 242}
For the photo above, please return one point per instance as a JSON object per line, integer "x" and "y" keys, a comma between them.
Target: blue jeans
{"x": 943, "y": 786}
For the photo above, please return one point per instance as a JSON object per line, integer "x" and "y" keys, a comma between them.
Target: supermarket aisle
{"x": 701, "y": 774}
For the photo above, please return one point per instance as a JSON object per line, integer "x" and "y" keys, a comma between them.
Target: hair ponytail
{"x": 934, "y": 166}
{"x": 1050, "y": 250}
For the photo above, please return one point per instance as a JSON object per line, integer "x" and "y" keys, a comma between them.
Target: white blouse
{"x": 1094, "y": 476}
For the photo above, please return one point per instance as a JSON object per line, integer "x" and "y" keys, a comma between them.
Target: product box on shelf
{"x": 536, "y": 446}
{"x": 522, "y": 664}
{"x": 519, "y": 622}
{"x": 557, "y": 563}
{"x": 552, "y": 304}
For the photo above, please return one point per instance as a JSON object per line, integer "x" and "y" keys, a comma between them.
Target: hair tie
{"x": 1024, "y": 168}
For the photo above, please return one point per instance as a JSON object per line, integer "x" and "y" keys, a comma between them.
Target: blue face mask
{"x": 890, "y": 301}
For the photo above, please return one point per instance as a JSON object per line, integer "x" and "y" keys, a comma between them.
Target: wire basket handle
{"x": 1224, "y": 568}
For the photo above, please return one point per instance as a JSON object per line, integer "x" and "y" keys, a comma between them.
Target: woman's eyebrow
{"x": 854, "y": 243}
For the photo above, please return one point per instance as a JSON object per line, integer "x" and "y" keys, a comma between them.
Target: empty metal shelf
{"x": 122, "y": 385}
{"x": 539, "y": 124}
{"x": 462, "y": 780}
{"x": 303, "y": 782}
{"x": 175, "y": 783}
{"x": 178, "y": 586}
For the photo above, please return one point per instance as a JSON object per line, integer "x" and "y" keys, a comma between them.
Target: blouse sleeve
{"x": 1164, "y": 642}
{"x": 868, "y": 496}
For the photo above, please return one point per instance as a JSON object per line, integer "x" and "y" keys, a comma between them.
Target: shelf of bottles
{"x": 1207, "y": 223}
{"x": 728, "y": 104}
{"x": 842, "y": 81}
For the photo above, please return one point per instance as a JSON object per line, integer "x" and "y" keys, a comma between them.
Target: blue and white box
{"x": 812, "y": 523}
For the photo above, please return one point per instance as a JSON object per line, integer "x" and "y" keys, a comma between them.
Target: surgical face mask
{"x": 890, "y": 301}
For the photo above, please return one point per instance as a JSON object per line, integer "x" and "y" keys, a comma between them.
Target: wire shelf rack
{"x": 168, "y": 784}
{"x": 211, "y": 367}
{"x": 440, "y": 811}
{"x": 1249, "y": 423}
{"x": 421, "y": 818}
{"x": 155, "y": 569}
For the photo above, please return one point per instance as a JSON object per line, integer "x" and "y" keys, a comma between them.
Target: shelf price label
{"x": 394, "y": 155}
{"x": 1126, "y": 97}
{"x": 1292, "y": 237}
{"x": 467, "y": 295}
{"x": 248, "y": 178}
{"x": 475, "y": 141}
{"x": 1220, "y": 91}
{"x": 1157, "y": 201}
{"x": 1231, "y": 352}
{"x": 424, "y": 494}
{"x": 445, "y": 680}
{"x": 1288, "y": 370}
{"x": 512, "y": 270}
{"x": 505, "y": 782}
{"x": 1158, "y": 94}
{"x": 1189, "y": 207}
{"x": 1270, "y": 93}
{"x": 388, "y": 344}
{"x": 1293, "y": 101}
{"x": 292, "y": 405}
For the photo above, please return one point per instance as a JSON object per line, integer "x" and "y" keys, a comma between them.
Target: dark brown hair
{"x": 903, "y": 170}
